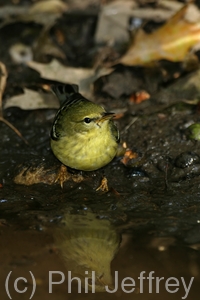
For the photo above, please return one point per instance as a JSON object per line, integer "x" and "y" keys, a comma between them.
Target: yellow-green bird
{"x": 83, "y": 135}
{"x": 88, "y": 244}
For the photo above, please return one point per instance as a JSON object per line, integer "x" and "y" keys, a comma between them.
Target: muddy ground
{"x": 152, "y": 203}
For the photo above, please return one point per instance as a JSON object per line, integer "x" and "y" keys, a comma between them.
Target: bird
{"x": 87, "y": 243}
{"x": 83, "y": 135}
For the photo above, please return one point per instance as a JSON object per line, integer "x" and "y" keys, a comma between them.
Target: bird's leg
{"x": 62, "y": 175}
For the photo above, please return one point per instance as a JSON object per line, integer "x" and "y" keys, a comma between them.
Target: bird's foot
{"x": 104, "y": 185}
{"x": 62, "y": 175}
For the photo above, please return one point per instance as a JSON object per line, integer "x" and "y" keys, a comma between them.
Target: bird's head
{"x": 85, "y": 116}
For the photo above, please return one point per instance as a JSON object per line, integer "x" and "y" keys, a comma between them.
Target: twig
{"x": 129, "y": 125}
{"x": 14, "y": 129}
{"x": 3, "y": 80}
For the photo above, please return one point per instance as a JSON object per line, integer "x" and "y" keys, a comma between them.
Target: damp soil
{"x": 153, "y": 202}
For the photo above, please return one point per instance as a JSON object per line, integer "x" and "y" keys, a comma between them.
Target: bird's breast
{"x": 86, "y": 151}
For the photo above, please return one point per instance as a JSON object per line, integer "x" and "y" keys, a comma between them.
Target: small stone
{"x": 186, "y": 159}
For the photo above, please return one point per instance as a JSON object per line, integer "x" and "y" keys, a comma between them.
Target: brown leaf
{"x": 138, "y": 97}
{"x": 32, "y": 100}
{"x": 45, "y": 12}
{"x": 83, "y": 77}
{"x": 48, "y": 6}
{"x": 129, "y": 154}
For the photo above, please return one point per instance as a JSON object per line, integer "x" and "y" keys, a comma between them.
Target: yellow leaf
{"x": 172, "y": 41}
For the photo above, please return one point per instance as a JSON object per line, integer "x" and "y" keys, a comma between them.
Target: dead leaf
{"x": 20, "y": 53}
{"x": 170, "y": 5}
{"x": 43, "y": 12}
{"x": 129, "y": 155}
{"x": 44, "y": 46}
{"x": 29, "y": 176}
{"x": 138, "y": 97}
{"x": 33, "y": 100}
{"x": 83, "y": 77}
{"x": 48, "y": 6}
{"x": 113, "y": 22}
{"x": 172, "y": 41}
{"x": 114, "y": 18}
{"x": 192, "y": 14}
{"x": 32, "y": 174}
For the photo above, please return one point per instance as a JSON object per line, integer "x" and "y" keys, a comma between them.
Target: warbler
{"x": 83, "y": 135}
{"x": 87, "y": 243}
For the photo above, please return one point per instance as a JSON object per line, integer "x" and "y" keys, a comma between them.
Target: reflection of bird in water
{"x": 88, "y": 244}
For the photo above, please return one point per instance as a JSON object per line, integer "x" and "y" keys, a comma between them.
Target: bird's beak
{"x": 103, "y": 283}
{"x": 105, "y": 116}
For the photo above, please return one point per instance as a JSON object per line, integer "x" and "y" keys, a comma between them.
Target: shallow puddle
{"x": 113, "y": 262}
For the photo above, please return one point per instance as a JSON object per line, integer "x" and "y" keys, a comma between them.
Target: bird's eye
{"x": 87, "y": 120}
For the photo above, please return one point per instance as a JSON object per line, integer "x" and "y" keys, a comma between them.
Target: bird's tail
{"x": 64, "y": 91}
